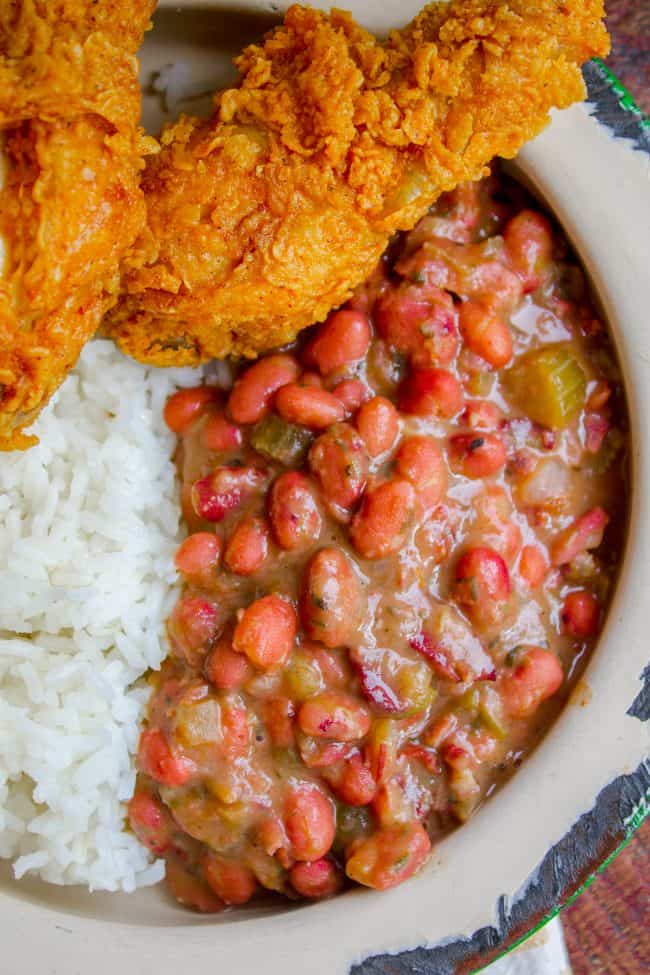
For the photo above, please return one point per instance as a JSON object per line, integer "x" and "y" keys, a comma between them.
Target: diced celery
{"x": 470, "y": 700}
{"x": 491, "y": 712}
{"x": 283, "y": 442}
{"x": 351, "y": 823}
{"x": 302, "y": 677}
{"x": 548, "y": 384}
{"x": 415, "y": 688}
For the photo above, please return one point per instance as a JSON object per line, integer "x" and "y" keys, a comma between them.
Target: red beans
{"x": 183, "y": 408}
{"x": 389, "y": 856}
{"x": 266, "y": 632}
{"x": 378, "y": 423}
{"x": 431, "y": 392}
{"x": 315, "y": 880}
{"x": 529, "y": 244}
{"x": 352, "y": 781}
{"x": 420, "y": 461}
{"x": 419, "y": 322}
{"x": 537, "y": 676}
{"x": 352, "y": 394}
{"x": 253, "y": 392}
{"x": 199, "y": 555}
{"x": 330, "y": 603}
{"x": 485, "y": 333}
{"x": 580, "y": 614}
{"x": 379, "y": 527}
{"x": 225, "y": 668}
{"x": 218, "y": 493}
{"x": 334, "y": 715}
{"x": 339, "y": 461}
{"x": 151, "y": 822}
{"x": 248, "y": 547}
{"x": 532, "y": 566}
{"x": 190, "y": 890}
{"x": 308, "y": 406}
{"x": 309, "y": 822}
{"x": 193, "y": 625}
{"x": 220, "y": 435}
{"x": 476, "y": 456}
{"x": 481, "y": 585}
{"x": 293, "y": 511}
{"x": 344, "y": 338}
{"x": 230, "y": 879}
{"x": 156, "y": 759}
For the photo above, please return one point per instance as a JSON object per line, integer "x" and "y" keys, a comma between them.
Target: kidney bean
{"x": 198, "y": 556}
{"x": 342, "y": 339}
{"x": 389, "y": 856}
{"x": 311, "y": 379}
{"x": 225, "y": 668}
{"x": 485, "y": 333}
{"x": 420, "y": 461}
{"x": 378, "y": 423}
{"x": 190, "y": 890}
{"x": 335, "y": 716}
{"x": 151, "y": 822}
{"x": 248, "y": 546}
{"x": 476, "y": 456}
{"x": 157, "y": 760}
{"x": 419, "y": 322}
{"x": 266, "y": 631}
{"x": 235, "y": 730}
{"x": 194, "y": 624}
{"x": 529, "y": 244}
{"x": 315, "y": 880}
{"x": 230, "y": 879}
{"x": 532, "y": 566}
{"x": 339, "y": 461}
{"x": 253, "y": 392}
{"x": 330, "y": 603}
{"x": 320, "y": 753}
{"x": 279, "y": 714}
{"x": 351, "y": 781}
{"x": 309, "y": 822}
{"x": 537, "y": 676}
{"x": 308, "y": 406}
{"x": 585, "y": 533}
{"x": 379, "y": 527}
{"x": 219, "y": 434}
{"x": 580, "y": 614}
{"x": 293, "y": 511}
{"x": 495, "y": 524}
{"x": 183, "y": 408}
{"x": 431, "y": 392}
{"x": 225, "y": 488}
{"x": 481, "y": 585}
{"x": 352, "y": 393}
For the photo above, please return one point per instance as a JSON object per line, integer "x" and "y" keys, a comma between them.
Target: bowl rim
{"x": 613, "y": 129}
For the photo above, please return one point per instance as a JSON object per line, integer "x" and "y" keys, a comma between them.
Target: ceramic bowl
{"x": 586, "y": 787}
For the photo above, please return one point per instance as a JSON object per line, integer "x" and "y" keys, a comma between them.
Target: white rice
{"x": 89, "y": 520}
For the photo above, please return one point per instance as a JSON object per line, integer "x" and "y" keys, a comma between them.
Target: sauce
{"x": 404, "y": 532}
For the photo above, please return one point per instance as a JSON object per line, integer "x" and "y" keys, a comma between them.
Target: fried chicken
{"x": 70, "y": 200}
{"x": 267, "y": 215}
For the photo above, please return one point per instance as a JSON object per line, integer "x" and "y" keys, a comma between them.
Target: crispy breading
{"x": 264, "y": 217}
{"x": 71, "y": 203}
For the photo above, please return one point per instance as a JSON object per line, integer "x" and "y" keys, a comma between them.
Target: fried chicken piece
{"x": 266, "y": 216}
{"x": 70, "y": 200}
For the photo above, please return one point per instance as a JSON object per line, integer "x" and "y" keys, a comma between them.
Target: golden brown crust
{"x": 268, "y": 215}
{"x": 71, "y": 203}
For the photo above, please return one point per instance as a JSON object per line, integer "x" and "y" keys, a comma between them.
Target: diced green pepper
{"x": 302, "y": 677}
{"x": 283, "y": 442}
{"x": 549, "y": 384}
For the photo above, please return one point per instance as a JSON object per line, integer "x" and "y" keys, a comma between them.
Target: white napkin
{"x": 543, "y": 954}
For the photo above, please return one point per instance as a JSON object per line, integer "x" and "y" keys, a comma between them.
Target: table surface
{"x": 629, "y": 24}
{"x": 607, "y": 929}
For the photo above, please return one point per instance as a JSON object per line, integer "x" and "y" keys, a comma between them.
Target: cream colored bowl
{"x": 528, "y": 849}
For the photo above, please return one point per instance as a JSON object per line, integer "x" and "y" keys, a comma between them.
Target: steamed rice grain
{"x": 89, "y": 521}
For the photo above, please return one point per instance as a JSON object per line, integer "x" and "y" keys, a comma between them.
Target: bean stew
{"x": 403, "y": 536}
